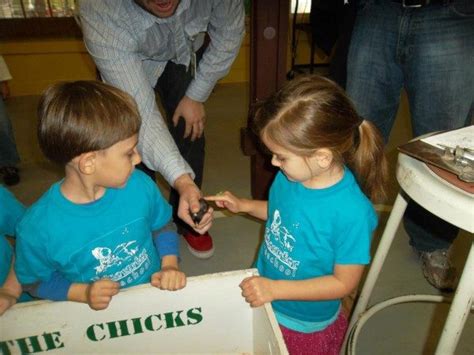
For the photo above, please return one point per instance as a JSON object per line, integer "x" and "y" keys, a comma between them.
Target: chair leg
{"x": 385, "y": 242}
{"x": 459, "y": 310}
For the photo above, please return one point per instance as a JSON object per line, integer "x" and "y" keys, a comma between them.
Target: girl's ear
{"x": 86, "y": 163}
{"x": 323, "y": 157}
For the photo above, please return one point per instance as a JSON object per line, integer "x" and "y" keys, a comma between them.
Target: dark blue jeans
{"x": 428, "y": 51}
{"x": 8, "y": 153}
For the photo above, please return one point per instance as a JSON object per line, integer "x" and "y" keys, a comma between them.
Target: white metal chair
{"x": 446, "y": 201}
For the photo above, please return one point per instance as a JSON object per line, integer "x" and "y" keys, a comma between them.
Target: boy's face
{"x": 115, "y": 164}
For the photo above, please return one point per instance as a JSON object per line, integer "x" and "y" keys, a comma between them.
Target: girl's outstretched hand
{"x": 257, "y": 290}
{"x": 226, "y": 200}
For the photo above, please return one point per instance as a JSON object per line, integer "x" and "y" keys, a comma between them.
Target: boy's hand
{"x": 100, "y": 293}
{"x": 257, "y": 290}
{"x": 7, "y": 300}
{"x": 226, "y": 200}
{"x": 169, "y": 278}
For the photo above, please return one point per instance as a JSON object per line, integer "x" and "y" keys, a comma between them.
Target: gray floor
{"x": 406, "y": 329}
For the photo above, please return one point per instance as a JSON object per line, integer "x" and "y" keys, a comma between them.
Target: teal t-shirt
{"x": 308, "y": 232}
{"x": 11, "y": 211}
{"x": 108, "y": 238}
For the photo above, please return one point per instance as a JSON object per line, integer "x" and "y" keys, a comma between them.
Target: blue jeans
{"x": 429, "y": 52}
{"x": 8, "y": 153}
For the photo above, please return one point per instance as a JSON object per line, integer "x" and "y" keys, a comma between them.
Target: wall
{"x": 35, "y": 64}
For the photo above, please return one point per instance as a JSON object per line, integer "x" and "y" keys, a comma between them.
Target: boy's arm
{"x": 97, "y": 294}
{"x": 166, "y": 241}
{"x": 167, "y": 245}
{"x": 10, "y": 290}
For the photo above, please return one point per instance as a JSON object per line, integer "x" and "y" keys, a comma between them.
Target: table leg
{"x": 459, "y": 310}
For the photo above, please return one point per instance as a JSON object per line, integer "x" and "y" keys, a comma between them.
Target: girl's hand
{"x": 169, "y": 278}
{"x": 226, "y": 200}
{"x": 257, "y": 290}
{"x": 100, "y": 293}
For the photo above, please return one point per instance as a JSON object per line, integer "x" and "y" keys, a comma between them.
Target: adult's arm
{"x": 116, "y": 55}
{"x": 226, "y": 30}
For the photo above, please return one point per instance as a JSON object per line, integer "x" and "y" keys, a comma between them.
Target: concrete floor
{"x": 405, "y": 329}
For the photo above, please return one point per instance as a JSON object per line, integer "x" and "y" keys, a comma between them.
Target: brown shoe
{"x": 438, "y": 270}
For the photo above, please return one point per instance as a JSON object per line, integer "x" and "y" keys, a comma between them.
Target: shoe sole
{"x": 201, "y": 254}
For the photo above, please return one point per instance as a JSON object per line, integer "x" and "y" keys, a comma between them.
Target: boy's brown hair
{"x": 84, "y": 116}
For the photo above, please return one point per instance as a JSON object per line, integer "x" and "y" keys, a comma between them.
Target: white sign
{"x": 208, "y": 316}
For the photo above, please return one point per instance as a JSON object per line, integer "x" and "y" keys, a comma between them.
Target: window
{"x": 304, "y": 6}
{"x": 21, "y": 19}
{"x": 36, "y": 8}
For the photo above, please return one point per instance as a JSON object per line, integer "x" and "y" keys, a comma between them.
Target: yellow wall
{"x": 35, "y": 64}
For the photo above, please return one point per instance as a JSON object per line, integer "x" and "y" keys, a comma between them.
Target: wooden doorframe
{"x": 268, "y": 67}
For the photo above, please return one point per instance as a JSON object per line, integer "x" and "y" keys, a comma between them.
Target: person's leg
{"x": 374, "y": 77}
{"x": 9, "y": 157}
{"x": 325, "y": 342}
{"x": 171, "y": 87}
{"x": 440, "y": 87}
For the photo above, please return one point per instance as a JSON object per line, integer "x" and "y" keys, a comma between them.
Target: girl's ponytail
{"x": 368, "y": 161}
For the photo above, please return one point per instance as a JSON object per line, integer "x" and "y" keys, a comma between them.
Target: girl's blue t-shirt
{"x": 109, "y": 238}
{"x": 308, "y": 232}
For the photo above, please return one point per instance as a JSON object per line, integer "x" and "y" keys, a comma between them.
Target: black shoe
{"x": 10, "y": 175}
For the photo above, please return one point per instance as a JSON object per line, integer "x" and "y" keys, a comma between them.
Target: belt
{"x": 421, "y": 3}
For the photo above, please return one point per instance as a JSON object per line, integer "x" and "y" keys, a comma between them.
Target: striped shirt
{"x": 131, "y": 48}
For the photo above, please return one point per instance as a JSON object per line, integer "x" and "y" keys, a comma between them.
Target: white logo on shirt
{"x": 278, "y": 253}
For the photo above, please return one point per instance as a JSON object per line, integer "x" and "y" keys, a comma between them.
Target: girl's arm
{"x": 227, "y": 200}
{"x": 259, "y": 290}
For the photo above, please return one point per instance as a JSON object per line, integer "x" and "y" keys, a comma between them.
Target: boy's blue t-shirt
{"x": 308, "y": 231}
{"x": 11, "y": 211}
{"x": 108, "y": 238}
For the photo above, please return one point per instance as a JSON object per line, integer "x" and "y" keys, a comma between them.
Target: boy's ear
{"x": 86, "y": 163}
{"x": 323, "y": 157}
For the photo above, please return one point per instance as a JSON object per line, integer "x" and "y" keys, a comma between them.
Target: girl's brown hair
{"x": 311, "y": 112}
{"x": 84, "y": 116}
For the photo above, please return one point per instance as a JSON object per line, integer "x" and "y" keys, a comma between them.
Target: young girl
{"x": 319, "y": 216}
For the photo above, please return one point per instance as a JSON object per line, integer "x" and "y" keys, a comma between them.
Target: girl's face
{"x": 116, "y": 163}
{"x": 295, "y": 167}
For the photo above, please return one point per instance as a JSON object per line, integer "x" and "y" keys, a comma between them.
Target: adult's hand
{"x": 194, "y": 116}
{"x": 189, "y": 195}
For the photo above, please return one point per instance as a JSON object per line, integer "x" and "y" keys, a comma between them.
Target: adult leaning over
{"x": 149, "y": 47}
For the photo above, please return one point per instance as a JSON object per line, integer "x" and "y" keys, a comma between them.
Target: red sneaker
{"x": 199, "y": 245}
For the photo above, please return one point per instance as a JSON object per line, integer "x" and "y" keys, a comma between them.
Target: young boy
{"x": 105, "y": 225}
{"x": 11, "y": 210}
